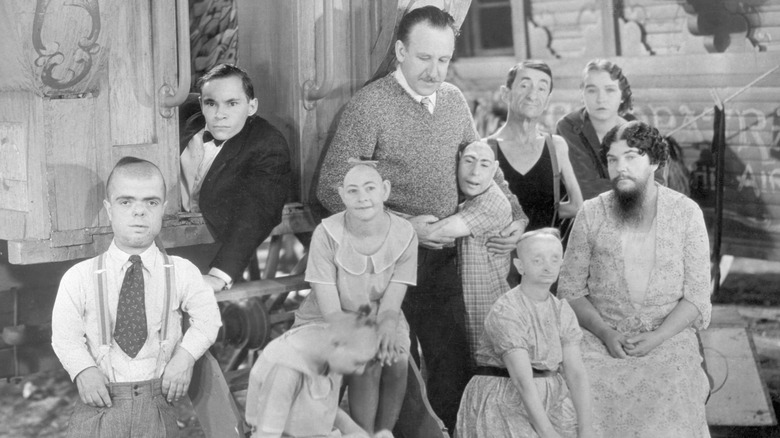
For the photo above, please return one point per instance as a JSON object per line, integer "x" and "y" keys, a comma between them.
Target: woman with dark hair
{"x": 607, "y": 98}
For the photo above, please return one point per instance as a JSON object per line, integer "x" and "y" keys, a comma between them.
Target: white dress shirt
{"x": 75, "y": 335}
{"x": 399, "y": 76}
{"x": 196, "y": 160}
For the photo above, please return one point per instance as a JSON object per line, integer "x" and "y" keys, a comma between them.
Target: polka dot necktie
{"x": 427, "y": 104}
{"x": 130, "y": 331}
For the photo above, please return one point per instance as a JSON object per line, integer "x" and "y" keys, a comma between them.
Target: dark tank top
{"x": 534, "y": 190}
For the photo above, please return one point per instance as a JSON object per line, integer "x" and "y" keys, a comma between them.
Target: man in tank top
{"x": 524, "y": 150}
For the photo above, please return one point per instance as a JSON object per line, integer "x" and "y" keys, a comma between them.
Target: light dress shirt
{"x": 196, "y": 160}
{"x": 399, "y": 76}
{"x": 75, "y": 335}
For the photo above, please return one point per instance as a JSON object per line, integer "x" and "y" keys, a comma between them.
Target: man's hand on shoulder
{"x": 177, "y": 374}
{"x": 93, "y": 390}
{"x": 507, "y": 239}
{"x": 425, "y": 236}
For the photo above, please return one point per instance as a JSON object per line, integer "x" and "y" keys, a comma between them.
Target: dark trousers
{"x": 436, "y": 316}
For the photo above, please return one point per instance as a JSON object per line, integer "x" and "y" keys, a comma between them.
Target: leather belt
{"x": 503, "y": 372}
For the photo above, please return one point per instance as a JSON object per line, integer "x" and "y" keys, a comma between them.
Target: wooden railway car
{"x": 83, "y": 83}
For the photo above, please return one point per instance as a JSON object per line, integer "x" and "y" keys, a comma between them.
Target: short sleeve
{"x": 507, "y": 328}
{"x": 406, "y": 267}
{"x": 274, "y": 400}
{"x": 321, "y": 266}
{"x": 696, "y": 252}
{"x": 570, "y": 326}
{"x": 573, "y": 280}
{"x": 487, "y": 212}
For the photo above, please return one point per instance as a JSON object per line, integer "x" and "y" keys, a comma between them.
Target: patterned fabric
{"x": 130, "y": 330}
{"x": 483, "y": 274}
{"x": 662, "y": 393}
{"x": 492, "y": 406}
{"x": 427, "y": 104}
{"x": 360, "y": 279}
{"x": 285, "y": 397}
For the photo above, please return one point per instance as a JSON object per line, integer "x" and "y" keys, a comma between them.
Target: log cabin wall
{"x": 672, "y": 52}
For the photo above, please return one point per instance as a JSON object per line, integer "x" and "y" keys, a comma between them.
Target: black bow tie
{"x": 207, "y": 137}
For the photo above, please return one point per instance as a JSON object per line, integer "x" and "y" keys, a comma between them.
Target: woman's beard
{"x": 628, "y": 205}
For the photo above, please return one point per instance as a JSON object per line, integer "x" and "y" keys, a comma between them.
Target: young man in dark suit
{"x": 235, "y": 170}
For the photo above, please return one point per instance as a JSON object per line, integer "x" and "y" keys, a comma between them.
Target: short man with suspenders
{"x": 116, "y": 323}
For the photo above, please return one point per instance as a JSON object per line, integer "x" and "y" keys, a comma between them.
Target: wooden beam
{"x": 260, "y": 288}
{"x": 609, "y": 28}
{"x": 520, "y": 29}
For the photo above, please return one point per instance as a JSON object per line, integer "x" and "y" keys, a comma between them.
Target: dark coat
{"x": 243, "y": 194}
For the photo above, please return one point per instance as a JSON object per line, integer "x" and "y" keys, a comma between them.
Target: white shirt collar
{"x": 399, "y": 76}
{"x": 148, "y": 257}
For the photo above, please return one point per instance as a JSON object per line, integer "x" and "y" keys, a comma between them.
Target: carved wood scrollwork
{"x": 61, "y": 70}
{"x": 718, "y": 21}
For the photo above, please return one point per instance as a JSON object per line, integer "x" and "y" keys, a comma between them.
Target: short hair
{"x": 533, "y": 64}
{"x": 641, "y": 136}
{"x": 616, "y": 74}
{"x": 127, "y": 162}
{"x": 434, "y": 16}
{"x": 222, "y": 71}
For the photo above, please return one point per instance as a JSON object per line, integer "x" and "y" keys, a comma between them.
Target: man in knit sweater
{"x": 412, "y": 123}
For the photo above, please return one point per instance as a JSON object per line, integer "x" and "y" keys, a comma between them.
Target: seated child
{"x": 366, "y": 256}
{"x": 116, "y": 322}
{"x": 529, "y": 357}
{"x": 485, "y": 212}
{"x": 294, "y": 386}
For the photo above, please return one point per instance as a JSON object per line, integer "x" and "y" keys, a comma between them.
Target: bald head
{"x": 135, "y": 168}
{"x": 479, "y": 149}
{"x": 541, "y": 235}
{"x": 361, "y": 173}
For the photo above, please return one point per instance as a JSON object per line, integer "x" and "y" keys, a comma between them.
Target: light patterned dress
{"x": 360, "y": 279}
{"x": 483, "y": 274}
{"x": 663, "y": 393}
{"x": 491, "y": 406}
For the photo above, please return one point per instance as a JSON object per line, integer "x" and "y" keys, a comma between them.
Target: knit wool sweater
{"x": 416, "y": 150}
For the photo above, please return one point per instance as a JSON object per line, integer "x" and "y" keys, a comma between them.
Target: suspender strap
{"x": 101, "y": 299}
{"x": 170, "y": 287}
{"x": 102, "y": 358}
{"x": 104, "y": 319}
{"x": 555, "y": 170}
{"x": 166, "y": 349}
{"x": 493, "y": 143}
